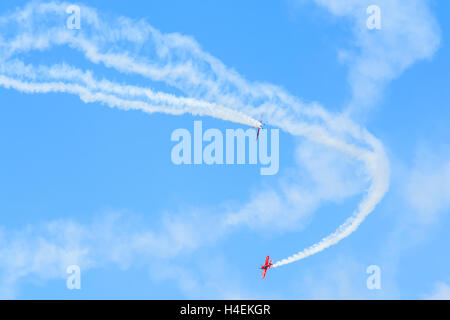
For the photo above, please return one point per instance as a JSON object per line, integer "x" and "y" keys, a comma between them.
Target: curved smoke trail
{"x": 198, "y": 83}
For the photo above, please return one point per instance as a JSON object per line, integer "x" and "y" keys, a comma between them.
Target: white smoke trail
{"x": 380, "y": 170}
{"x": 134, "y": 48}
{"x": 109, "y": 95}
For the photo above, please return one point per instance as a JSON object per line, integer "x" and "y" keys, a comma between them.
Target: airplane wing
{"x": 267, "y": 261}
{"x": 257, "y": 135}
{"x": 264, "y": 273}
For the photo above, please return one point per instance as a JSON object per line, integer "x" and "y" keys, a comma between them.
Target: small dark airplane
{"x": 266, "y": 266}
{"x": 259, "y": 128}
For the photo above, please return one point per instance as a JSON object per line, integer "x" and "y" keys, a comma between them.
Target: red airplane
{"x": 266, "y": 266}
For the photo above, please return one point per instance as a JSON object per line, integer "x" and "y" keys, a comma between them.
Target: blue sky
{"x": 95, "y": 186}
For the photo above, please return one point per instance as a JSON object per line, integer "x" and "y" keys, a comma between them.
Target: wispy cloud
{"x": 208, "y": 88}
{"x": 414, "y": 212}
{"x": 427, "y": 189}
{"x": 409, "y": 33}
{"x": 441, "y": 292}
{"x": 45, "y": 251}
{"x": 341, "y": 279}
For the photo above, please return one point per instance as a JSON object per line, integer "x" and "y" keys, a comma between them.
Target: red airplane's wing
{"x": 264, "y": 273}
{"x": 267, "y": 261}
{"x": 257, "y": 134}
